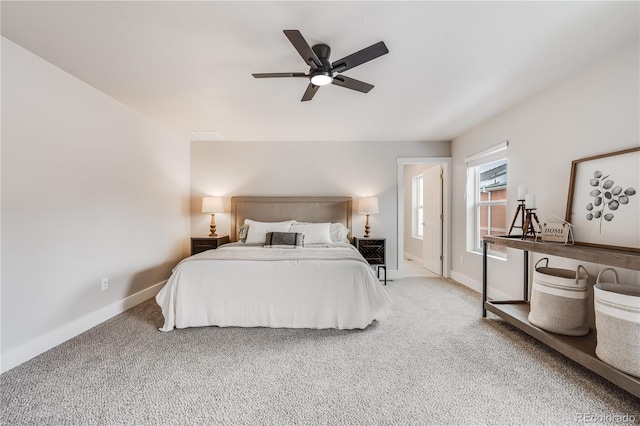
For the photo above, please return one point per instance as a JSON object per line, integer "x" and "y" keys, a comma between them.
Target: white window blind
{"x": 494, "y": 153}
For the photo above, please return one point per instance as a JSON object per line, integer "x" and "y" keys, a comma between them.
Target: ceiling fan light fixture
{"x": 321, "y": 70}
{"x": 321, "y": 78}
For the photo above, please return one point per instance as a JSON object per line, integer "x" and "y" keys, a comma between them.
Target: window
{"x": 417, "y": 206}
{"x": 487, "y": 198}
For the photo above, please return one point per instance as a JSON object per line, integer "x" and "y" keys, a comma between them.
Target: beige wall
{"x": 594, "y": 112}
{"x": 352, "y": 169}
{"x": 90, "y": 189}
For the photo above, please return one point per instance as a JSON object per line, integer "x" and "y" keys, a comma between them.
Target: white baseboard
{"x": 393, "y": 274}
{"x": 35, "y": 347}
{"x": 412, "y": 257}
{"x": 477, "y": 286}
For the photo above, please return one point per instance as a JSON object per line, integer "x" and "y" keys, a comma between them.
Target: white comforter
{"x": 332, "y": 287}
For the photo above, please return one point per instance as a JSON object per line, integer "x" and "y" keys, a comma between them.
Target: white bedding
{"x": 248, "y": 286}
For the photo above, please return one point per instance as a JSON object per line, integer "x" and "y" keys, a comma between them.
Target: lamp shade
{"x": 368, "y": 205}
{"x": 212, "y": 205}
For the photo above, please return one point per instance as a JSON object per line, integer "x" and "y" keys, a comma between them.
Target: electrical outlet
{"x": 461, "y": 259}
{"x": 104, "y": 284}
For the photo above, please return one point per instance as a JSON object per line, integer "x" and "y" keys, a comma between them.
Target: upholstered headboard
{"x": 302, "y": 209}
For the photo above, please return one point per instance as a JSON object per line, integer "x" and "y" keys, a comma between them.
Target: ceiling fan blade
{"x": 365, "y": 55}
{"x": 352, "y": 83}
{"x": 308, "y": 94}
{"x": 280, "y": 74}
{"x": 303, "y": 48}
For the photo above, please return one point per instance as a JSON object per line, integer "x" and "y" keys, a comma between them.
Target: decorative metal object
{"x": 528, "y": 227}
{"x": 520, "y": 211}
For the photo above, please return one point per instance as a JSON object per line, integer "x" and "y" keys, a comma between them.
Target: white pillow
{"x": 339, "y": 233}
{"x": 314, "y": 233}
{"x": 258, "y": 230}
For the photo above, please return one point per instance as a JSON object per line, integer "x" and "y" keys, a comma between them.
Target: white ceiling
{"x": 451, "y": 65}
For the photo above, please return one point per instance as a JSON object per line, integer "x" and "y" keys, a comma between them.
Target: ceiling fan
{"x": 321, "y": 71}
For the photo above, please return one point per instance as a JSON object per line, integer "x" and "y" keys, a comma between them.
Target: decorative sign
{"x": 555, "y": 232}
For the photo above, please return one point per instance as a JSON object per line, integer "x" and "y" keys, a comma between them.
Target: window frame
{"x": 473, "y": 196}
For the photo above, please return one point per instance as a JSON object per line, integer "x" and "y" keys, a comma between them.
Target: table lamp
{"x": 367, "y": 205}
{"x": 212, "y": 205}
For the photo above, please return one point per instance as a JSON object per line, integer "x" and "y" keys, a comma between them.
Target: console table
{"x": 581, "y": 349}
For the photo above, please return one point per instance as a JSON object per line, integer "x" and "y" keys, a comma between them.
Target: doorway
{"x": 431, "y": 246}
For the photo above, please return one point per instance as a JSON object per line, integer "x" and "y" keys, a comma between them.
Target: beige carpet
{"x": 433, "y": 361}
{"x": 413, "y": 268}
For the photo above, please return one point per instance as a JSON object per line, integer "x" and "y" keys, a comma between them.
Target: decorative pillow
{"x": 339, "y": 233}
{"x": 284, "y": 239}
{"x": 258, "y": 230}
{"x": 314, "y": 233}
{"x": 242, "y": 233}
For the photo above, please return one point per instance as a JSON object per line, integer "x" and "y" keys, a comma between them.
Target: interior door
{"x": 433, "y": 219}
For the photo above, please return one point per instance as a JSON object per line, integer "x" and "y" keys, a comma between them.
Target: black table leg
{"x": 385, "y": 273}
{"x": 484, "y": 278}
{"x": 526, "y": 276}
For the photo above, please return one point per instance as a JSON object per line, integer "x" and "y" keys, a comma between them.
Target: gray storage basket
{"x": 559, "y": 300}
{"x": 617, "y": 308}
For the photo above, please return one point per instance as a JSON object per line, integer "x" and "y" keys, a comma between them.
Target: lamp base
{"x": 212, "y": 227}
{"x": 367, "y": 228}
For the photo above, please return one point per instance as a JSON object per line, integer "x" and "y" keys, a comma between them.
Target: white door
{"x": 432, "y": 225}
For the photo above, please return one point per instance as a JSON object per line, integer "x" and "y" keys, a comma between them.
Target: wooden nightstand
{"x": 373, "y": 250}
{"x": 200, "y": 244}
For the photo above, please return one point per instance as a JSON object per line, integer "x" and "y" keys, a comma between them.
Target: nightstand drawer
{"x": 200, "y": 244}
{"x": 372, "y": 249}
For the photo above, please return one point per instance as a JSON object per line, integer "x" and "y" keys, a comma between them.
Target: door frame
{"x": 446, "y": 163}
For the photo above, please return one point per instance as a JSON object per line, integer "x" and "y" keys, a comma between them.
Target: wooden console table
{"x": 580, "y": 349}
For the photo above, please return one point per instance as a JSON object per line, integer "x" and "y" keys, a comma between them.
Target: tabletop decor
{"x": 367, "y": 206}
{"x": 556, "y": 230}
{"x": 526, "y": 210}
{"x": 212, "y": 205}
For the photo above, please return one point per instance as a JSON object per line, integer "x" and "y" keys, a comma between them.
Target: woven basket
{"x": 559, "y": 300}
{"x": 617, "y": 309}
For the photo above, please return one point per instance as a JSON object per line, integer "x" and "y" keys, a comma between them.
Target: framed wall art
{"x": 603, "y": 202}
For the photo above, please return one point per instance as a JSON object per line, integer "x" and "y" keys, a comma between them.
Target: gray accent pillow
{"x": 284, "y": 239}
{"x": 242, "y": 233}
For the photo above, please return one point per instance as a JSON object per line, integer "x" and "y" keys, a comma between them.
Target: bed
{"x": 289, "y": 265}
